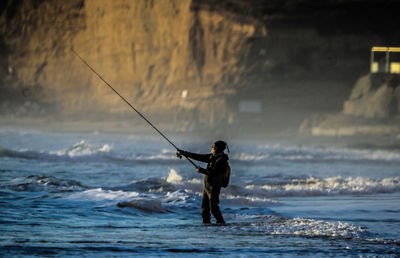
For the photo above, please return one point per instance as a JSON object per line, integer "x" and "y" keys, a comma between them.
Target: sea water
{"x": 95, "y": 194}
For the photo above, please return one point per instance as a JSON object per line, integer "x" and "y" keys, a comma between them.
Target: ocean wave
{"x": 84, "y": 152}
{"x": 174, "y": 177}
{"x": 249, "y": 201}
{"x": 329, "y": 186}
{"x": 278, "y": 152}
{"x": 250, "y": 157}
{"x": 121, "y": 199}
{"x": 147, "y": 205}
{"x": 99, "y": 194}
{"x": 313, "y": 228}
{"x": 261, "y": 193}
{"x": 161, "y": 185}
{"x": 316, "y": 155}
{"x": 276, "y": 225}
{"x": 182, "y": 196}
{"x": 252, "y": 193}
{"x": 176, "y": 189}
{"x": 271, "y": 224}
{"x": 81, "y": 151}
{"x": 384, "y": 241}
{"x": 38, "y": 183}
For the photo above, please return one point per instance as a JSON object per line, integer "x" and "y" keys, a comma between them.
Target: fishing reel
{"x": 179, "y": 154}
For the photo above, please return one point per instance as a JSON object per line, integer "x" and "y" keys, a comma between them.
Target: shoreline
{"x": 290, "y": 136}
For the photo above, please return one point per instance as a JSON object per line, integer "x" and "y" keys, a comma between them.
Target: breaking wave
{"x": 100, "y": 194}
{"x": 81, "y": 151}
{"x": 276, "y": 225}
{"x": 312, "y": 228}
{"x": 37, "y": 183}
{"x": 261, "y": 193}
{"x": 329, "y": 186}
{"x": 268, "y": 153}
{"x": 176, "y": 185}
{"x": 84, "y": 152}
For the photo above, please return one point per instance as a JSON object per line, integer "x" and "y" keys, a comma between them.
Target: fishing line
{"x": 129, "y": 104}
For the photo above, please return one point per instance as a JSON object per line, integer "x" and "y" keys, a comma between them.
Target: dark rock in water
{"x": 144, "y": 205}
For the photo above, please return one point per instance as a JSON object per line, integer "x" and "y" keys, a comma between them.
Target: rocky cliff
{"x": 190, "y": 63}
{"x": 163, "y": 56}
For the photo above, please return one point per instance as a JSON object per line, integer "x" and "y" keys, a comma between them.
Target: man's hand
{"x": 201, "y": 170}
{"x": 180, "y": 153}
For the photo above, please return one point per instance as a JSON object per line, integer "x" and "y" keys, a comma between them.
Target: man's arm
{"x": 195, "y": 156}
{"x": 220, "y": 165}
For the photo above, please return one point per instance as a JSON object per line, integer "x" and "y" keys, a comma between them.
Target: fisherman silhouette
{"x": 217, "y": 162}
{"x": 215, "y": 176}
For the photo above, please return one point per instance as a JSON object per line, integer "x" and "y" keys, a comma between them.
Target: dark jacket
{"x": 216, "y": 167}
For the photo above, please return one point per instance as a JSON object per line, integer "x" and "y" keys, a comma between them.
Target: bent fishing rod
{"x": 129, "y": 104}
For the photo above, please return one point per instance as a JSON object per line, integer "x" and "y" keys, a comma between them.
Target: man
{"x": 214, "y": 174}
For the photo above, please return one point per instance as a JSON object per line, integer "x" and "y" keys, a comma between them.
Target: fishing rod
{"x": 129, "y": 104}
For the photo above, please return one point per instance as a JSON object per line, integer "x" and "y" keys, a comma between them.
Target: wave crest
{"x": 80, "y": 151}
{"x": 99, "y": 194}
{"x": 39, "y": 183}
{"x": 83, "y": 149}
{"x": 314, "y": 228}
{"x": 330, "y": 186}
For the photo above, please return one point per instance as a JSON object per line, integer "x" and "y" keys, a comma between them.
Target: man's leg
{"x": 205, "y": 207}
{"x": 214, "y": 202}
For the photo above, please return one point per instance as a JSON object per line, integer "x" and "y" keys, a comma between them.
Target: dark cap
{"x": 220, "y": 146}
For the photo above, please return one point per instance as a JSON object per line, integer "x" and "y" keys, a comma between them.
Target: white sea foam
{"x": 168, "y": 151}
{"x": 160, "y": 156}
{"x": 120, "y": 198}
{"x": 277, "y": 152}
{"x": 249, "y": 157}
{"x": 359, "y": 154}
{"x": 249, "y": 200}
{"x": 277, "y": 225}
{"x": 178, "y": 196}
{"x": 165, "y": 154}
{"x": 83, "y": 149}
{"x": 259, "y": 194}
{"x": 329, "y": 186}
{"x": 294, "y": 157}
{"x": 384, "y": 241}
{"x": 99, "y": 194}
{"x": 313, "y": 228}
{"x": 174, "y": 177}
{"x": 195, "y": 181}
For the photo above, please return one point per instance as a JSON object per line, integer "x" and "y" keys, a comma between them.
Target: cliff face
{"x": 150, "y": 51}
{"x": 190, "y": 63}
{"x": 35, "y": 37}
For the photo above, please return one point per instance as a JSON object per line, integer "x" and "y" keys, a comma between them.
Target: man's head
{"x": 218, "y": 146}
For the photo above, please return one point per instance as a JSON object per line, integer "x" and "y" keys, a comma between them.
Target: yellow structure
{"x": 388, "y": 66}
